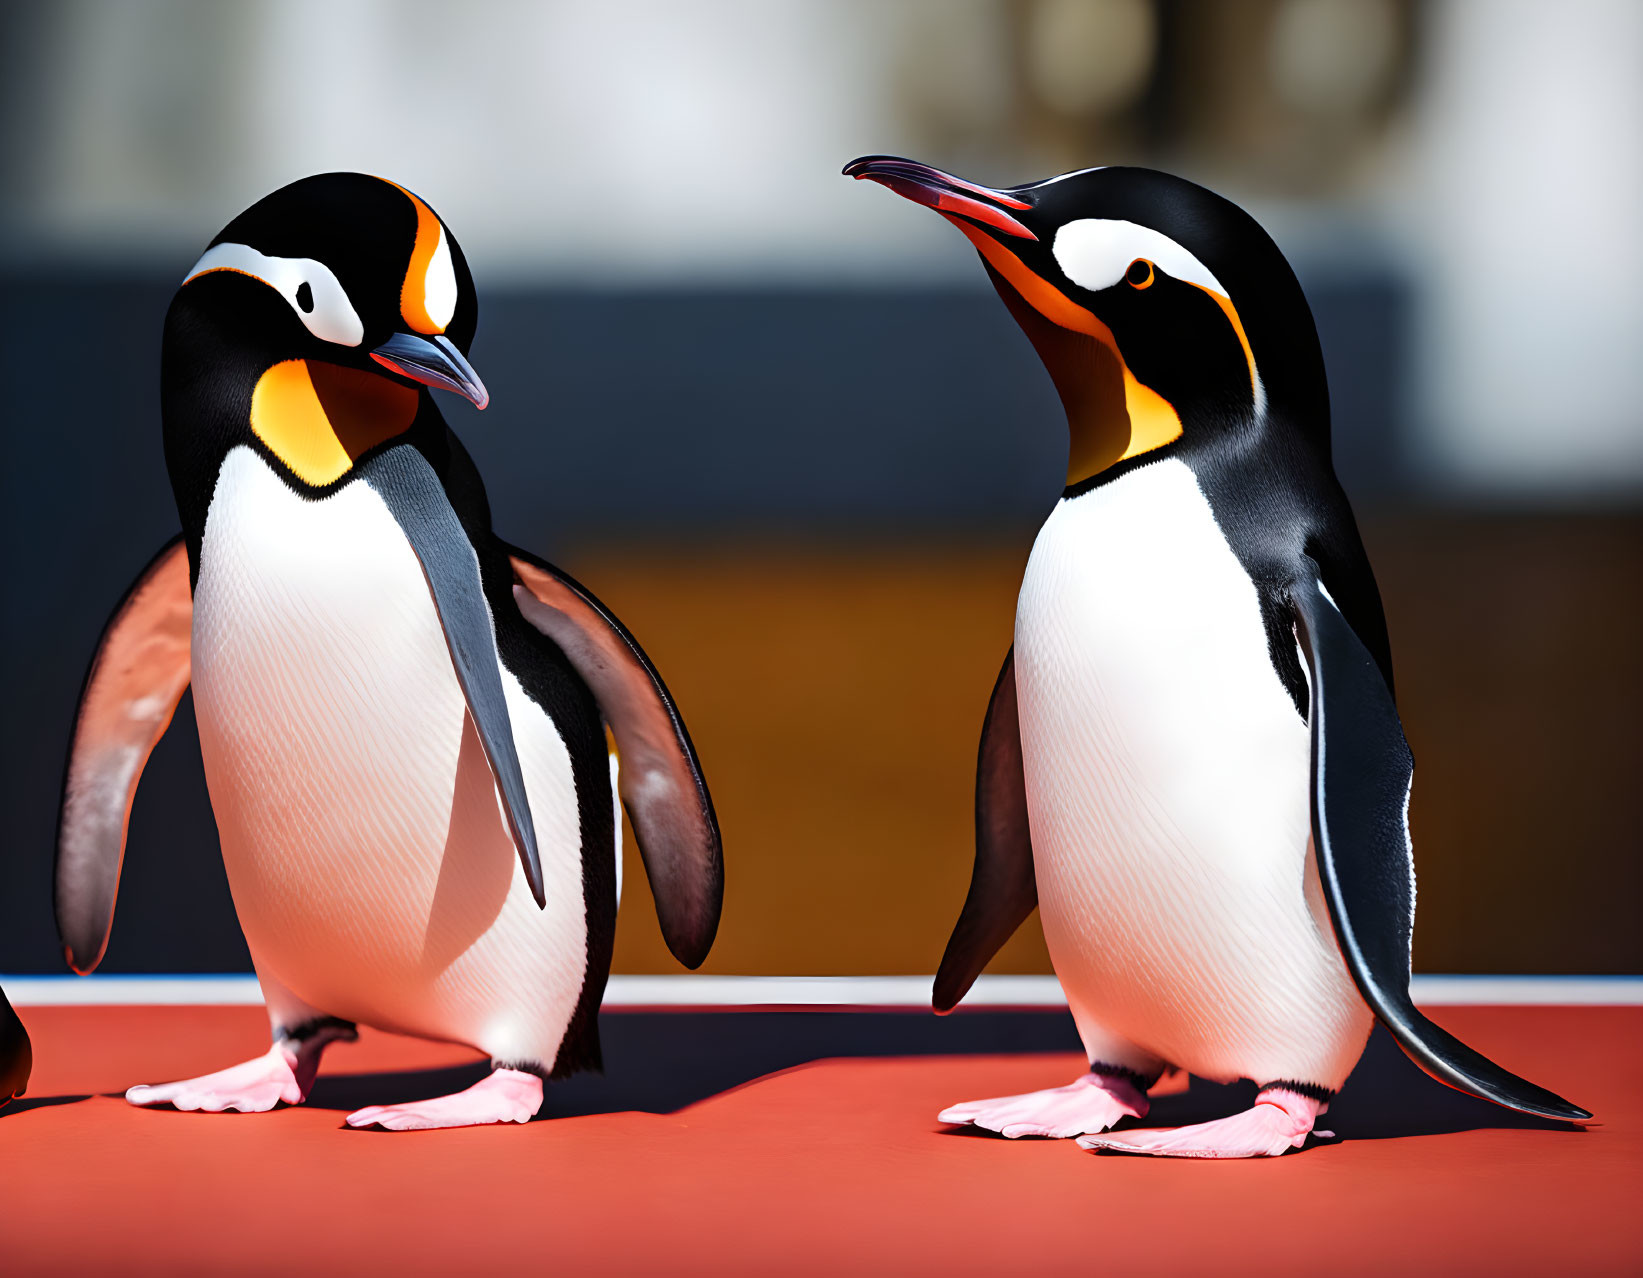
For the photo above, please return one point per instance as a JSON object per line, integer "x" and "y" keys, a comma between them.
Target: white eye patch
{"x": 1095, "y": 252}
{"x": 315, "y": 294}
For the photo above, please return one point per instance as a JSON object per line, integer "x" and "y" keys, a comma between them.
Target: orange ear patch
{"x": 317, "y": 418}
{"x": 413, "y": 293}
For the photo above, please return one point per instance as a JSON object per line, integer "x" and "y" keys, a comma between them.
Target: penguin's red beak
{"x": 950, "y": 196}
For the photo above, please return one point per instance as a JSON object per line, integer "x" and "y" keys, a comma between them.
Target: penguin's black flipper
{"x": 1361, "y": 773}
{"x": 416, "y": 498}
{"x": 660, "y": 779}
{"x": 16, "y": 1054}
{"x": 1003, "y": 891}
{"x": 137, "y": 677}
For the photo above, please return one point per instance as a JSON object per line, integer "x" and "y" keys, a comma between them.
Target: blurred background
{"x": 780, "y": 423}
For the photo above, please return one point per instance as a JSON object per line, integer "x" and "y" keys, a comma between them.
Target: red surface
{"x": 832, "y": 1168}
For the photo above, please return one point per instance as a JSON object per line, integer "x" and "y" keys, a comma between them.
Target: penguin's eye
{"x": 1140, "y": 273}
{"x": 310, "y": 287}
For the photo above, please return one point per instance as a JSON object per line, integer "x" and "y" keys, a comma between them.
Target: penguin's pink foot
{"x": 1279, "y": 1122}
{"x": 1093, "y": 1103}
{"x": 505, "y": 1096}
{"x": 250, "y": 1087}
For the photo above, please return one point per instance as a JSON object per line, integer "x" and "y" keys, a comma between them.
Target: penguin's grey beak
{"x": 946, "y": 194}
{"x": 433, "y": 361}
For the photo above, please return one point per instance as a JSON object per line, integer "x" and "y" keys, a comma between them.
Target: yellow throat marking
{"x": 1114, "y": 430}
{"x": 1141, "y": 422}
{"x": 317, "y": 418}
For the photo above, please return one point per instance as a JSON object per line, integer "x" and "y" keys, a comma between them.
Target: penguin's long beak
{"x": 991, "y": 220}
{"x": 1109, "y": 411}
{"x": 950, "y": 196}
{"x": 433, "y": 362}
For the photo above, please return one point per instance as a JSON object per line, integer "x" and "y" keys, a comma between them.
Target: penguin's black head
{"x": 1163, "y": 311}
{"x": 319, "y": 313}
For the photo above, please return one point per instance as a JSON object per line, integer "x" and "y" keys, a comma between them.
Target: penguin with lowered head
{"x": 410, "y": 728}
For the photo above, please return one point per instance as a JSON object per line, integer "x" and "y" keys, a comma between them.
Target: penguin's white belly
{"x": 365, "y": 845}
{"x": 1167, "y": 782}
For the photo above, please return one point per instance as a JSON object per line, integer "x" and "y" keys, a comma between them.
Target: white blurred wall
{"x": 628, "y": 141}
{"x": 643, "y": 142}
{"x": 1527, "y": 200}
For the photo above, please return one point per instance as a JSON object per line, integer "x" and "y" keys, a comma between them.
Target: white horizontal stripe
{"x": 114, "y": 991}
{"x": 901, "y": 992}
{"x": 1516, "y": 991}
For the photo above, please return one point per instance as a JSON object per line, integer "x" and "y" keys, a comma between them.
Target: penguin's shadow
{"x": 661, "y": 1062}
{"x": 1387, "y": 1096}
{"x": 22, "y": 1104}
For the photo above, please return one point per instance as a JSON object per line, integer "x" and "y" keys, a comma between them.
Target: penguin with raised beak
{"x": 1192, "y": 762}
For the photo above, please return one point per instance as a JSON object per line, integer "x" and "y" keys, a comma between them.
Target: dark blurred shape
{"x": 1285, "y": 96}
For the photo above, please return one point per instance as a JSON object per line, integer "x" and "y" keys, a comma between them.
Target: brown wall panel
{"x": 836, "y": 698}
{"x": 1518, "y": 645}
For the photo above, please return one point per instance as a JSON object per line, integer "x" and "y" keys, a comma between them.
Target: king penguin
{"x": 1192, "y": 762}
{"x": 410, "y": 728}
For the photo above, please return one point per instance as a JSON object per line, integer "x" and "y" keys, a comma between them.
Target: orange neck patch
{"x": 317, "y": 418}
{"x": 1105, "y": 428}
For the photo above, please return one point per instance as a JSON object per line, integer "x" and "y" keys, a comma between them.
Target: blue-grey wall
{"x": 835, "y": 416}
